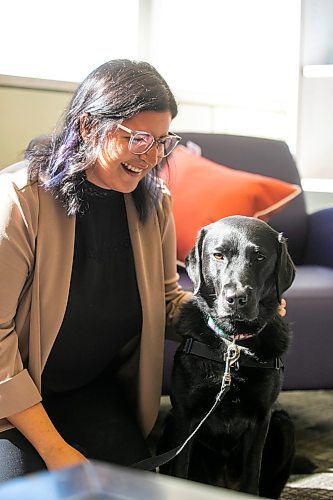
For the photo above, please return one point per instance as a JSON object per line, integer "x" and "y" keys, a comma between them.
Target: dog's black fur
{"x": 239, "y": 267}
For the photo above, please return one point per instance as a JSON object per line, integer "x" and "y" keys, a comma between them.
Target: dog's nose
{"x": 236, "y": 297}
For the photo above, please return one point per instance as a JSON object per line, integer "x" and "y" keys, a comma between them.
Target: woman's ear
{"x": 85, "y": 131}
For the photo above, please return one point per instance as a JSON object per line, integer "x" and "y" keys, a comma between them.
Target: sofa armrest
{"x": 319, "y": 249}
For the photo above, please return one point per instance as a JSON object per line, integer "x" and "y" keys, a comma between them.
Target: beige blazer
{"x": 36, "y": 254}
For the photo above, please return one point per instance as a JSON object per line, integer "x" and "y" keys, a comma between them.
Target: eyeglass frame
{"x": 155, "y": 141}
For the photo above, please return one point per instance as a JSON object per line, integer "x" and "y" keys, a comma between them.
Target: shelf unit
{"x": 318, "y": 70}
{"x": 315, "y": 117}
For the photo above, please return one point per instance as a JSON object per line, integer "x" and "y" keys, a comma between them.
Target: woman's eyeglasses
{"x": 141, "y": 142}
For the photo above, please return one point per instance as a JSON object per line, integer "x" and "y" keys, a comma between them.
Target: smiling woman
{"x": 88, "y": 277}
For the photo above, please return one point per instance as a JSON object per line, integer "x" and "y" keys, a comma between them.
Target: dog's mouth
{"x": 238, "y": 322}
{"x": 239, "y": 317}
{"x": 233, "y": 331}
{"x": 235, "y": 324}
{"x": 247, "y": 326}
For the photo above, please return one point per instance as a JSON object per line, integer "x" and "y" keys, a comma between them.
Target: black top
{"x": 104, "y": 309}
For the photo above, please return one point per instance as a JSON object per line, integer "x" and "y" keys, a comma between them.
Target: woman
{"x": 88, "y": 277}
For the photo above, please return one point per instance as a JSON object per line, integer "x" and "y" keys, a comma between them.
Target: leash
{"x": 230, "y": 358}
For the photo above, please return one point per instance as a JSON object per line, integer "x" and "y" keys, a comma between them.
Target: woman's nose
{"x": 153, "y": 156}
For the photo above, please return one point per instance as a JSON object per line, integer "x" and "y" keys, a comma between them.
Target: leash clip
{"x": 230, "y": 357}
{"x": 232, "y": 354}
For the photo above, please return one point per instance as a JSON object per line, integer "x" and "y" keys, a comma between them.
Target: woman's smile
{"x": 130, "y": 169}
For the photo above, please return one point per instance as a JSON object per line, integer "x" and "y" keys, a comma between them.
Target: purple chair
{"x": 308, "y": 364}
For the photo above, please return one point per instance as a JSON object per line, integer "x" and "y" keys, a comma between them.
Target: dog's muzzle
{"x": 238, "y": 301}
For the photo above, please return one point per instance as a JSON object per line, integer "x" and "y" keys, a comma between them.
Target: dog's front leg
{"x": 254, "y": 441}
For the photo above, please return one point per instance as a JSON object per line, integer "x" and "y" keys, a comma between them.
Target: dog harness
{"x": 233, "y": 356}
{"x": 191, "y": 346}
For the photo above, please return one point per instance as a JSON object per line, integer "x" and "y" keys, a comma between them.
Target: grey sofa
{"x": 308, "y": 364}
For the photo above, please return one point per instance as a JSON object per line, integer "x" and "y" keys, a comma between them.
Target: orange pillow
{"x": 204, "y": 192}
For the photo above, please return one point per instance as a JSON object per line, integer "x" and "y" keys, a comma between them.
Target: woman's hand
{"x": 282, "y": 308}
{"x": 63, "y": 455}
{"x": 36, "y": 426}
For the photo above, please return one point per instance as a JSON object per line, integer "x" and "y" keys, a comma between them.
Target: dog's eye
{"x": 218, "y": 256}
{"x": 260, "y": 257}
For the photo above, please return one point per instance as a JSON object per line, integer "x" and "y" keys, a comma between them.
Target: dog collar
{"x": 221, "y": 333}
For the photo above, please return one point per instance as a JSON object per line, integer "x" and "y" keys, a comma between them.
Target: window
{"x": 233, "y": 64}
{"x": 66, "y": 39}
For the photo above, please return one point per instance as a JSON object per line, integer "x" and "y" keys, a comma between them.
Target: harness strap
{"x": 191, "y": 346}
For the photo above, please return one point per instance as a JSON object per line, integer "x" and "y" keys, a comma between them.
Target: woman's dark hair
{"x": 113, "y": 92}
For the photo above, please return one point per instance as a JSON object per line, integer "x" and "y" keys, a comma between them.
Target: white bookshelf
{"x": 318, "y": 70}
{"x": 315, "y": 119}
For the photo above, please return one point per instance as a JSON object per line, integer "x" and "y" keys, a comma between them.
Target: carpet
{"x": 312, "y": 413}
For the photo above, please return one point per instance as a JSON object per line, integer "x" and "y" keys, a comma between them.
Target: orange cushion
{"x": 204, "y": 192}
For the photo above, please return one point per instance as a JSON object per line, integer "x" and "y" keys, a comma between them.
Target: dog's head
{"x": 240, "y": 267}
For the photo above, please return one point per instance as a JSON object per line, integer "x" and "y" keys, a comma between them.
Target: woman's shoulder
{"x": 17, "y": 175}
{"x": 17, "y": 189}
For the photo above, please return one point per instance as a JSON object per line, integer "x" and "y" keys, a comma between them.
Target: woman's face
{"x": 116, "y": 167}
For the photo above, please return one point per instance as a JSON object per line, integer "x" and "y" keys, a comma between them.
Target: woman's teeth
{"x": 131, "y": 168}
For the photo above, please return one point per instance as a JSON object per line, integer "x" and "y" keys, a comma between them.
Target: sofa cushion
{"x": 308, "y": 363}
{"x": 204, "y": 191}
{"x": 266, "y": 157}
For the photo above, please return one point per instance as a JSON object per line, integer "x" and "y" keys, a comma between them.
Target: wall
{"x": 27, "y": 112}
{"x": 24, "y": 114}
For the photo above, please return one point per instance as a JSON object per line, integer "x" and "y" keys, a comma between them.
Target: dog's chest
{"x": 197, "y": 381}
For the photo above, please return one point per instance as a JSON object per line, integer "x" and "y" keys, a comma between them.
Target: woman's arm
{"x": 38, "y": 429}
{"x": 174, "y": 294}
{"x": 20, "y": 398}
{"x": 18, "y": 228}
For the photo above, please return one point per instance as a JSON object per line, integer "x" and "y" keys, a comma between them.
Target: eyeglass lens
{"x": 141, "y": 143}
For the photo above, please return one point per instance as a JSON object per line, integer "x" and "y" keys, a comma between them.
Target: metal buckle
{"x": 188, "y": 345}
{"x": 230, "y": 358}
{"x": 278, "y": 364}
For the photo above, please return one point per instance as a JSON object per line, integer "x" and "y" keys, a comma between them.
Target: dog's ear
{"x": 193, "y": 262}
{"x": 285, "y": 269}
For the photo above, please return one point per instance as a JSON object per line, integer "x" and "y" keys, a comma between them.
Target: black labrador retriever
{"x": 239, "y": 267}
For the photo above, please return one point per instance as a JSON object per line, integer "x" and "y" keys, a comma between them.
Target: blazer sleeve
{"x": 17, "y": 245}
{"x": 174, "y": 294}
